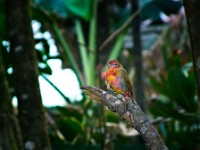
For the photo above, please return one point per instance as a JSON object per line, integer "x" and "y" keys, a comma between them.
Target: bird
{"x": 116, "y": 79}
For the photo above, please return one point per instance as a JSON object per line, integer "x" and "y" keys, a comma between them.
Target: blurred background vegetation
{"x": 79, "y": 27}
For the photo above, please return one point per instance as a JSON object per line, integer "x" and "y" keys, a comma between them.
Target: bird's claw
{"x": 110, "y": 92}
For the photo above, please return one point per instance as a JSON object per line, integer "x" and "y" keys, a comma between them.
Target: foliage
{"x": 87, "y": 129}
{"x": 70, "y": 121}
{"x": 67, "y": 8}
{"x": 75, "y": 9}
{"x": 86, "y": 122}
{"x": 152, "y": 9}
{"x": 176, "y": 103}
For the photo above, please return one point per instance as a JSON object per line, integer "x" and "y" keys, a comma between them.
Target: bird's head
{"x": 114, "y": 64}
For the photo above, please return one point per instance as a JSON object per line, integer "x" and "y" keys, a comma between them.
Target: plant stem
{"x": 67, "y": 51}
{"x": 118, "y": 31}
{"x": 117, "y": 47}
{"x": 92, "y": 43}
{"x": 56, "y": 88}
{"x": 83, "y": 51}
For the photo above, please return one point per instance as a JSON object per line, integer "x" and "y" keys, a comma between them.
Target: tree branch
{"x": 118, "y": 31}
{"x": 132, "y": 113}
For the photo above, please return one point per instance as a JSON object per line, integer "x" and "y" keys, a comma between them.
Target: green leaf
{"x": 83, "y": 50}
{"x": 169, "y": 109}
{"x": 177, "y": 61}
{"x": 75, "y": 125}
{"x": 70, "y": 112}
{"x": 181, "y": 89}
{"x": 162, "y": 108}
{"x": 66, "y": 51}
{"x": 117, "y": 46}
{"x": 53, "y": 6}
{"x": 81, "y": 8}
{"x": 165, "y": 56}
{"x": 169, "y": 6}
{"x": 112, "y": 117}
{"x": 160, "y": 84}
{"x": 151, "y": 9}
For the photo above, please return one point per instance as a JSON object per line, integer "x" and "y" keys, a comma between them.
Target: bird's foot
{"x": 110, "y": 92}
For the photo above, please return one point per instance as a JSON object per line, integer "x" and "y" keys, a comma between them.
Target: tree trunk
{"x": 137, "y": 51}
{"x": 23, "y": 56}
{"x": 10, "y": 140}
{"x": 193, "y": 15}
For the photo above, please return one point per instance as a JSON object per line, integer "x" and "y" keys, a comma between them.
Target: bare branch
{"x": 118, "y": 31}
{"x": 132, "y": 113}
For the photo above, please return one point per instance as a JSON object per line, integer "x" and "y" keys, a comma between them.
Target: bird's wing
{"x": 125, "y": 77}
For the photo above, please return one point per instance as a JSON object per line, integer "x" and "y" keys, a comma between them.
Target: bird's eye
{"x": 115, "y": 64}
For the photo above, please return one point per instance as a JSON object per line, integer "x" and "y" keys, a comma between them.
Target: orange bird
{"x": 116, "y": 79}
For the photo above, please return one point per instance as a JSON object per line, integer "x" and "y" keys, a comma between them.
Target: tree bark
{"x": 138, "y": 61}
{"x": 10, "y": 140}
{"x": 131, "y": 112}
{"x": 31, "y": 113}
{"x": 193, "y": 15}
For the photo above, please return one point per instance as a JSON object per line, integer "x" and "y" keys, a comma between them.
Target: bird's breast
{"x": 111, "y": 78}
